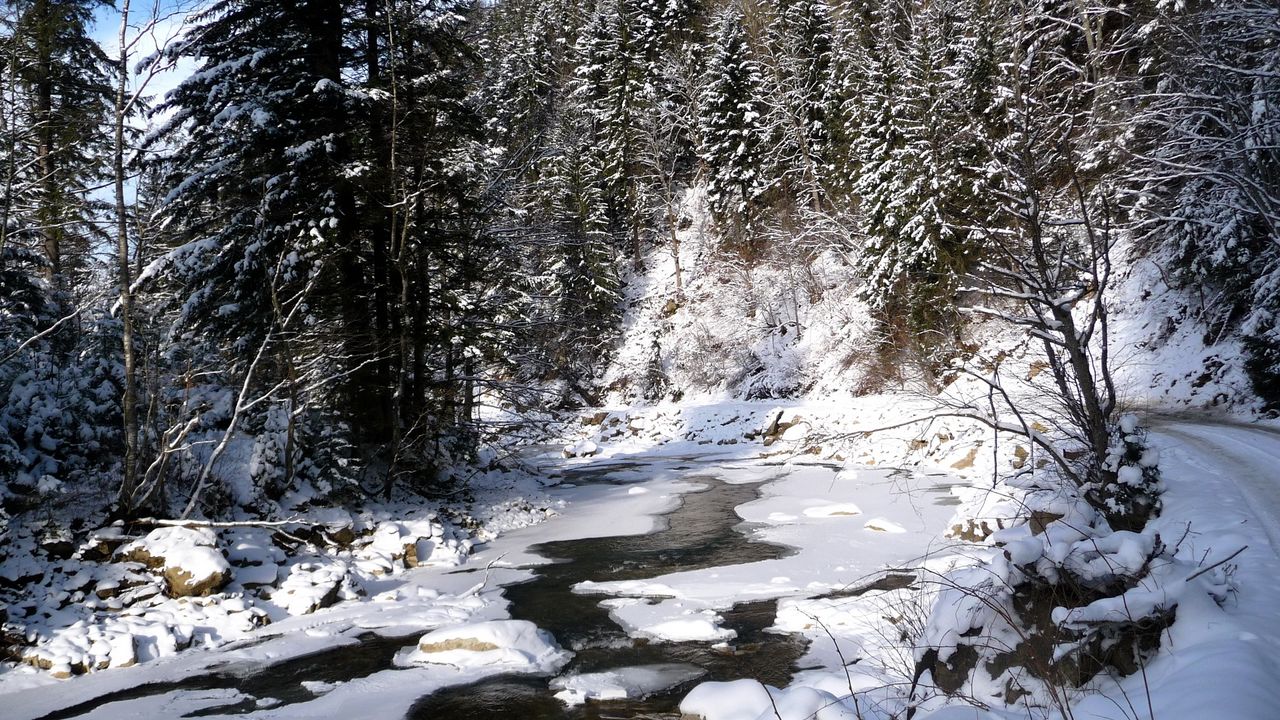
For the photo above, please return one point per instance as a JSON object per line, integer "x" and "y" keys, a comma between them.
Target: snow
{"x": 623, "y": 683}
{"x": 836, "y": 510}
{"x": 750, "y": 700}
{"x": 499, "y": 645}
{"x": 735, "y": 700}
{"x": 667, "y": 620}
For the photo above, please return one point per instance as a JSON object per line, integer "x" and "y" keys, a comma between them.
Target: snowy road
{"x": 1222, "y": 493}
{"x": 1250, "y": 454}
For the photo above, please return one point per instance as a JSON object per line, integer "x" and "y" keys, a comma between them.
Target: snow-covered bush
{"x": 60, "y": 427}
{"x": 1131, "y": 494}
{"x": 1039, "y": 609}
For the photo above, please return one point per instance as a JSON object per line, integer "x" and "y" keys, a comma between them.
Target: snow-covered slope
{"x": 784, "y": 325}
{"x": 790, "y": 325}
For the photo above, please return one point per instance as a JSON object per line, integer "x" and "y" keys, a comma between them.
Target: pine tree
{"x": 732, "y": 126}
{"x": 58, "y": 84}
{"x": 803, "y": 98}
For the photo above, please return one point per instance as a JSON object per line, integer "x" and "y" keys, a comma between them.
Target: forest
{"x": 263, "y": 257}
{"x": 353, "y": 224}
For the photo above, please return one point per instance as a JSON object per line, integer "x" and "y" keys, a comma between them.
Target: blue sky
{"x": 171, "y": 14}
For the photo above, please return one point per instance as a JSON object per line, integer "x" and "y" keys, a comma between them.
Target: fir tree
{"x": 803, "y": 93}
{"x": 732, "y": 126}
{"x": 58, "y": 84}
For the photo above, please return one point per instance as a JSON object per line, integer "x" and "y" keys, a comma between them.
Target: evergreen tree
{"x": 886, "y": 256}
{"x": 732, "y": 126}
{"x": 920, "y": 184}
{"x": 58, "y": 90}
{"x": 326, "y": 191}
{"x": 259, "y": 162}
{"x": 803, "y": 97}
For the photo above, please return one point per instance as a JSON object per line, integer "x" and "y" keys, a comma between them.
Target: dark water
{"x": 281, "y": 681}
{"x": 703, "y": 532}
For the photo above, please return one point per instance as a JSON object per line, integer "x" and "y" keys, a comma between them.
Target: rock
{"x": 255, "y": 576}
{"x": 417, "y": 552}
{"x": 1037, "y": 367}
{"x": 967, "y": 461}
{"x": 951, "y": 674}
{"x": 185, "y": 557}
{"x": 108, "y": 589}
{"x": 884, "y": 525}
{"x": 595, "y": 418}
{"x": 468, "y": 644}
{"x": 974, "y": 531}
{"x": 513, "y": 645}
{"x": 792, "y": 430}
{"x": 310, "y": 588}
{"x": 58, "y": 549}
{"x": 102, "y": 544}
{"x": 343, "y": 536}
{"x": 795, "y": 431}
{"x": 1040, "y": 520}
{"x": 582, "y": 448}
{"x": 181, "y": 583}
{"x": 1020, "y": 455}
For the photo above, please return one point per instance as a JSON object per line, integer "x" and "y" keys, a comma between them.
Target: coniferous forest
{"x": 259, "y": 257}
{"x": 353, "y": 223}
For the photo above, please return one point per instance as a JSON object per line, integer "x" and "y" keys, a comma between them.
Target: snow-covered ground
{"x": 1223, "y": 492}
{"x": 1217, "y": 661}
{"x": 847, "y": 525}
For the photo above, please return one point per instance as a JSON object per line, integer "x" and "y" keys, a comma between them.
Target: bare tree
{"x": 157, "y": 28}
{"x": 1048, "y": 261}
{"x": 668, "y": 134}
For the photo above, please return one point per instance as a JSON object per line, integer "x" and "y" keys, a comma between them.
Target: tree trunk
{"x": 129, "y": 403}
{"x": 50, "y": 220}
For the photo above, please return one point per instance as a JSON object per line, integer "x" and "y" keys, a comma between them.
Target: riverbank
{"x": 803, "y": 506}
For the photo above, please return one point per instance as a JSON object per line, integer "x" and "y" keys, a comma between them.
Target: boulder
{"x": 205, "y": 577}
{"x": 186, "y": 558}
{"x": 582, "y": 448}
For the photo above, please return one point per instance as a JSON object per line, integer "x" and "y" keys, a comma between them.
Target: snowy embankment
{"x": 1219, "y": 659}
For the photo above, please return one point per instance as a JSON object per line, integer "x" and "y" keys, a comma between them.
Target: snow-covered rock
{"x": 513, "y": 645}
{"x": 623, "y": 683}
{"x": 750, "y": 700}
{"x": 884, "y": 525}
{"x": 582, "y": 448}
{"x": 187, "y": 558}
{"x": 312, "y": 586}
